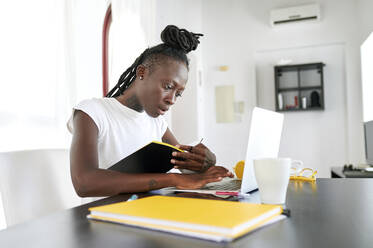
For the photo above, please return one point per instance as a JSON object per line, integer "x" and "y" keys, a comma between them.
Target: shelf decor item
{"x": 304, "y": 102}
{"x": 280, "y": 102}
{"x": 315, "y": 99}
{"x": 299, "y": 87}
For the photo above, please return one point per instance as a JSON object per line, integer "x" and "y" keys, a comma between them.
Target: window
{"x": 367, "y": 77}
{"x": 32, "y": 102}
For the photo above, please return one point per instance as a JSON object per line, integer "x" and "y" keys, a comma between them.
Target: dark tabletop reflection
{"x": 328, "y": 213}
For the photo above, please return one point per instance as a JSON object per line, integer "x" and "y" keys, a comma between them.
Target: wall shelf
{"x": 300, "y": 109}
{"x": 294, "y": 83}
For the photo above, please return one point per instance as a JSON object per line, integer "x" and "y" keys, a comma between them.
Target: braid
{"x": 127, "y": 77}
{"x": 176, "y": 44}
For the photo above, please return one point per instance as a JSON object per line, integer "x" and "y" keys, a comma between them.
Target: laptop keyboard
{"x": 225, "y": 185}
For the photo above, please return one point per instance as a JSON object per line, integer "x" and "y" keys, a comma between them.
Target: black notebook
{"x": 155, "y": 157}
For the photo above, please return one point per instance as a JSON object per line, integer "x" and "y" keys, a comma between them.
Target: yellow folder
{"x": 207, "y": 219}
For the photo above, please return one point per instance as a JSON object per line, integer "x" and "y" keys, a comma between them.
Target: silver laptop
{"x": 264, "y": 142}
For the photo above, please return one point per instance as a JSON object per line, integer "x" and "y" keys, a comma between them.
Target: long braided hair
{"x": 176, "y": 44}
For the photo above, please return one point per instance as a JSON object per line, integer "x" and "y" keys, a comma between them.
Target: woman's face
{"x": 162, "y": 86}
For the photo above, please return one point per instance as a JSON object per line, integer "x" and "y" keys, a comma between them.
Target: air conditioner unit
{"x": 295, "y": 14}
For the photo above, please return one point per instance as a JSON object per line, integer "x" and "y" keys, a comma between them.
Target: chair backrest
{"x": 34, "y": 183}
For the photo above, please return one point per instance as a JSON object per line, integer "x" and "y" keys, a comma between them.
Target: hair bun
{"x": 180, "y": 38}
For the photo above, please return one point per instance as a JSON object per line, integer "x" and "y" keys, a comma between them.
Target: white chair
{"x": 34, "y": 183}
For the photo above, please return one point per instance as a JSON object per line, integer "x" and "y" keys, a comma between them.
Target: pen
{"x": 232, "y": 193}
{"x": 201, "y": 141}
{"x": 133, "y": 197}
{"x": 226, "y": 193}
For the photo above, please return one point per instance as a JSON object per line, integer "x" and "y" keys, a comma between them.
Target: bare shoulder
{"x": 85, "y": 134}
{"x": 83, "y": 123}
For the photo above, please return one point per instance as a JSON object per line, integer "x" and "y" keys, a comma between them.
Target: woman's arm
{"x": 89, "y": 180}
{"x": 169, "y": 138}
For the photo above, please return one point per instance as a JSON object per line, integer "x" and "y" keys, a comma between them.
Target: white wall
{"x": 365, "y": 19}
{"x": 228, "y": 41}
{"x": 308, "y": 135}
{"x": 236, "y": 30}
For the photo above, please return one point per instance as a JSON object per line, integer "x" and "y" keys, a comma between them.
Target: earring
{"x": 141, "y": 77}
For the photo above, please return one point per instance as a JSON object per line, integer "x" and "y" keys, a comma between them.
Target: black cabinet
{"x": 299, "y": 87}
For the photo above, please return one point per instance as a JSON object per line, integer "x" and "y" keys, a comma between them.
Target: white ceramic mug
{"x": 272, "y": 176}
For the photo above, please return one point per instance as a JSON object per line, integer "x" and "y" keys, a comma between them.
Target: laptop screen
{"x": 264, "y": 142}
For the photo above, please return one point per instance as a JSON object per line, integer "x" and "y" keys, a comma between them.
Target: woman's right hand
{"x": 198, "y": 180}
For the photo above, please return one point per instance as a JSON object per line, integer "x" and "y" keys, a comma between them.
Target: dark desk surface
{"x": 330, "y": 213}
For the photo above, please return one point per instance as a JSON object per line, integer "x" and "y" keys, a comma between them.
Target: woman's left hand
{"x": 196, "y": 158}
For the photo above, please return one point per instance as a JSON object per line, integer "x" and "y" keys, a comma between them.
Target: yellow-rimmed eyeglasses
{"x": 306, "y": 174}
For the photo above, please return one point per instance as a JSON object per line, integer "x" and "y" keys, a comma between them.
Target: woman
{"x": 108, "y": 129}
